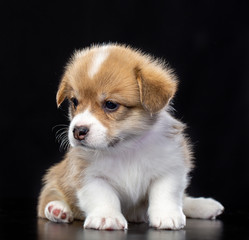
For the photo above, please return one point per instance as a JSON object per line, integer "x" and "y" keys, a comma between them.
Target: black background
{"x": 206, "y": 42}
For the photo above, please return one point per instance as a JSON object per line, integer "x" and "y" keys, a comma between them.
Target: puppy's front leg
{"x": 101, "y": 205}
{"x": 165, "y": 203}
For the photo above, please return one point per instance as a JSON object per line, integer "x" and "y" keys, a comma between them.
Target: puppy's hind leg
{"x": 202, "y": 208}
{"x": 53, "y": 206}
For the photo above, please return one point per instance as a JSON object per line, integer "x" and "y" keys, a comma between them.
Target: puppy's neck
{"x": 147, "y": 139}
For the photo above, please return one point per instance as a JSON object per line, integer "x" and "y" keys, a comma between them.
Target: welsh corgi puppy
{"x": 129, "y": 159}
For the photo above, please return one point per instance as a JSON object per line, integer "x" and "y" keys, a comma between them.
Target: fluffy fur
{"x": 131, "y": 160}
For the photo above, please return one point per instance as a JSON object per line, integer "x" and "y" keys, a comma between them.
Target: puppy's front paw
{"x": 113, "y": 222}
{"x": 173, "y": 219}
{"x": 57, "y": 211}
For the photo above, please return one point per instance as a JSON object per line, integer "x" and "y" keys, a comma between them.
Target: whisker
{"x": 64, "y": 143}
{"x": 59, "y": 125}
{"x": 61, "y": 136}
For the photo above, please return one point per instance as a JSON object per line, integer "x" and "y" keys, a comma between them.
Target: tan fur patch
{"x": 61, "y": 182}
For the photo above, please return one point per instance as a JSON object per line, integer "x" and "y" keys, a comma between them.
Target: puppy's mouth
{"x": 85, "y": 145}
{"x": 111, "y": 144}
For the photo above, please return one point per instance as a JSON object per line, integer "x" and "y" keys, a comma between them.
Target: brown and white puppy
{"x": 129, "y": 159}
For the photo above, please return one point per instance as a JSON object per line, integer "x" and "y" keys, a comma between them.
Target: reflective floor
{"x": 18, "y": 220}
{"x": 194, "y": 230}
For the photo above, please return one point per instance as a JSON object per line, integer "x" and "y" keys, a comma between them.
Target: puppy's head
{"x": 115, "y": 94}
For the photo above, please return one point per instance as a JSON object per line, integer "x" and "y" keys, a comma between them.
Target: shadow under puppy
{"x": 129, "y": 159}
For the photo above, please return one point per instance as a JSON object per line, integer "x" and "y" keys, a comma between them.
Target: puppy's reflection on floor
{"x": 195, "y": 229}
{"x": 50, "y": 230}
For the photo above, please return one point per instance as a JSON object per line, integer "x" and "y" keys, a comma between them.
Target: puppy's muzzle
{"x": 80, "y": 132}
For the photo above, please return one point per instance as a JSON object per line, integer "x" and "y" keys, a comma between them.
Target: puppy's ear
{"x": 157, "y": 86}
{"x": 61, "y": 93}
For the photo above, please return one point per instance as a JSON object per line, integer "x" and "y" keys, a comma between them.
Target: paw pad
{"x": 57, "y": 211}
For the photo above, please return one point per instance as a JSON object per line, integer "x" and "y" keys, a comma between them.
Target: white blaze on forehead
{"x": 99, "y": 57}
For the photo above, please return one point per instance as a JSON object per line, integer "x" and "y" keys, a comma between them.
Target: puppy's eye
{"x": 75, "y": 102}
{"x": 111, "y": 106}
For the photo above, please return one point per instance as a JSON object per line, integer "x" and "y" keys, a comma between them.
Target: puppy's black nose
{"x": 80, "y": 132}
